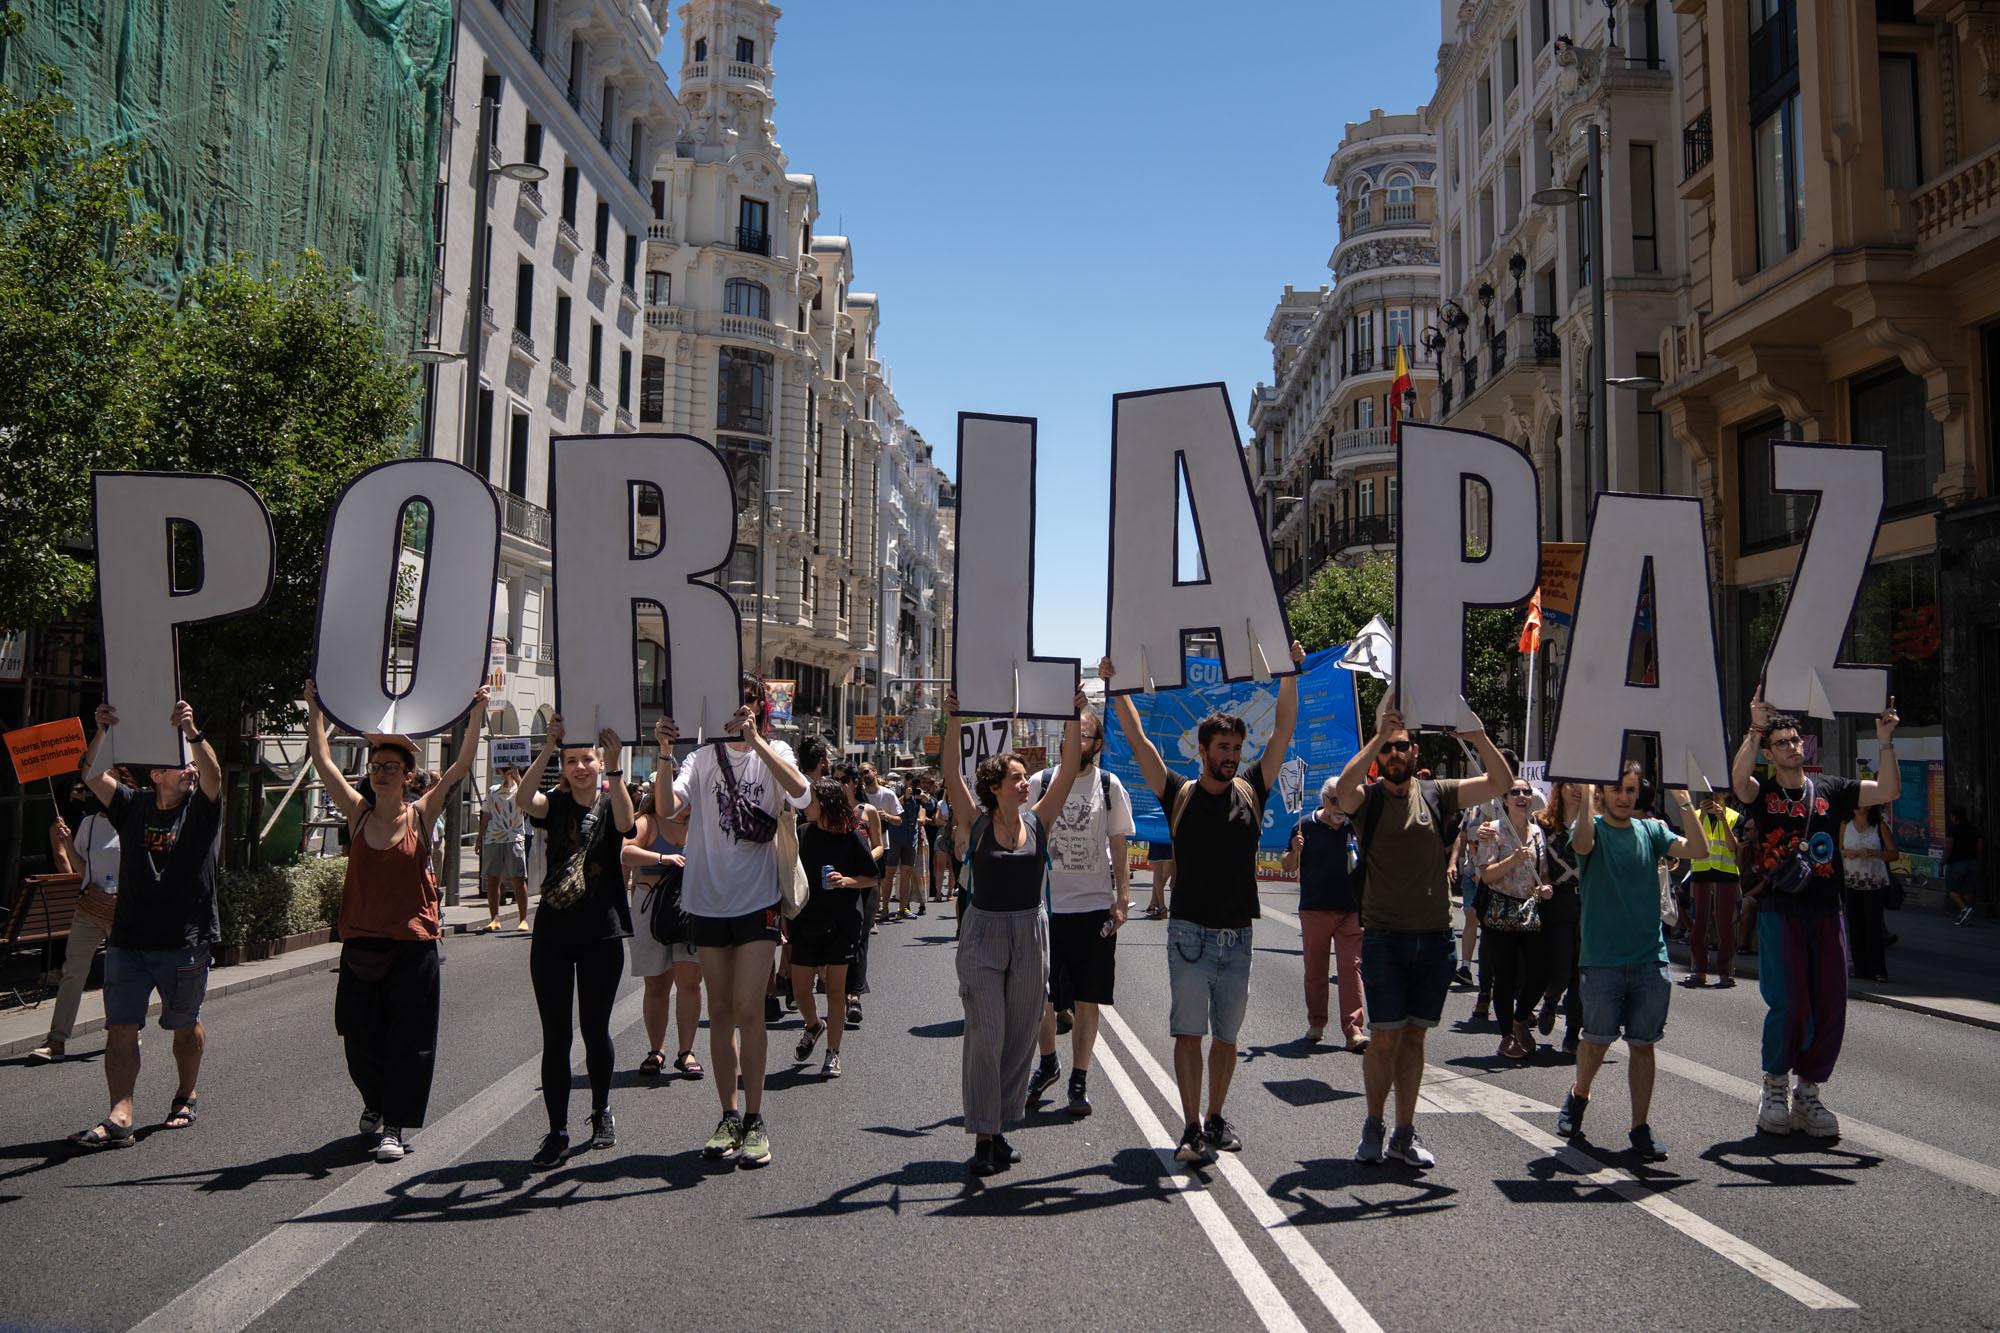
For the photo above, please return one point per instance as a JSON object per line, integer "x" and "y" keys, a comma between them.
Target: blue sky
{"x": 1057, "y": 202}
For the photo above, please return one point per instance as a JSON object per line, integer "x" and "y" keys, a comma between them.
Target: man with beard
{"x": 1406, "y": 825}
{"x": 1215, "y": 821}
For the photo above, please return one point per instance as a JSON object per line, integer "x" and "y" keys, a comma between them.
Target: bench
{"x": 43, "y": 911}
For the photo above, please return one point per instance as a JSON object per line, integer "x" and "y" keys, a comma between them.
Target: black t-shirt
{"x": 605, "y": 910}
{"x": 1215, "y": 852}
{"x": 166, "y": 871}
{"x": 1781, "y": 820}
{"x": 1323, "y": 867}
{"x": 845, "y": 854}
{"x": 1009, "y": 879}
{"x": 1965, "y": 838}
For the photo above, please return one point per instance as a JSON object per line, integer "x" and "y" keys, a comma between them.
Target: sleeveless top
{"x": 1010, "y": 879}
{"x": 646, "y": 876}
{"x": 1863, "y": 873}
{"x": 389, "y": 893}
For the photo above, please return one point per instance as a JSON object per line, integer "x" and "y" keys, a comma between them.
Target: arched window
{"x": 1363, "y": 196}
{"x": 1402, "y": 199}
{"x": 740, "y": 296}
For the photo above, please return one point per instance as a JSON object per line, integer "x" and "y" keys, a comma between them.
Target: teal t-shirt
{"x": 1620, "y": 884}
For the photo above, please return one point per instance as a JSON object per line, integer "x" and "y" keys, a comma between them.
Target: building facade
{"x": 908, "y": 634}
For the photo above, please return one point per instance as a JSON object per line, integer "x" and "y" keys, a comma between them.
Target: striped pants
{"x": 1003, "y": 980}
{"x": 1802, "y": 972}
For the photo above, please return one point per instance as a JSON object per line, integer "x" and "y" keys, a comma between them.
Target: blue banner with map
{"x": 1327, "y": 736}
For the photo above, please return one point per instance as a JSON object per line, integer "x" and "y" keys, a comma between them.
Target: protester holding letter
{"x": 1406, "y": 827}
{"x": 671, "y": 973}
{"x": 1795, "y": 864}
{"x": 386, "y": 1002}
{"x": 165, "y": 926}
{"x": 1215, "y": 821}
{"x": 839, "y": 862}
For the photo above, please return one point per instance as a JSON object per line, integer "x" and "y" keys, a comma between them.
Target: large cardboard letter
{"x": 602, "y": 581}
{"x": 1157, "y": 437}
{"x": 1437, "y": 582}
{"x": 142, "y": 611}
{"x": 452, "y": 609}
{"x": 1801, "y": 675}
{"x": 993, "y": 662}
{"x": 1597, "y": 707}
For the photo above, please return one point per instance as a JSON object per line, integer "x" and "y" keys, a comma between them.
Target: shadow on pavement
{"x": 1135, "y": 1175}
{"x": 508, "y": 1187}
{"x": 313, "y": 1164}
{"x": 1333, "y": 1175}
{"x": 1298, "y": 1048}
{"x": 1760, "y": 1158}
{"x": 953, "y": 1028}
{"x": 1306, "y": 1091}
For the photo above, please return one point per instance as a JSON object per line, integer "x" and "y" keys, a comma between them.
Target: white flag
{"x": 1373, "y": 651}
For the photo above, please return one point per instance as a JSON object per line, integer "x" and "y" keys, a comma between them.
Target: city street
{"x": 266, "y": 1214}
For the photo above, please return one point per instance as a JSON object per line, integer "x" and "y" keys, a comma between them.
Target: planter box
{"x": 229, "y": 955}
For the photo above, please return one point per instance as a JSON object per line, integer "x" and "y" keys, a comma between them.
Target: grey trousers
{"x": 1003, "y": 980}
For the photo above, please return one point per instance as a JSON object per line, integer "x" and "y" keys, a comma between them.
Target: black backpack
{"x": 1370, "y": 814}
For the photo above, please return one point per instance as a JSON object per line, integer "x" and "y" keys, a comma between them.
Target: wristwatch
{"x": 197, "y": 738}
{"x": 614, "y": 772}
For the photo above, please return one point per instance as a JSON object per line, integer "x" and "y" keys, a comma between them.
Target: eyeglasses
{"x": 1788, "y": 743}
{"x": 385, "y": 766}
{"x": 1399, "y": 747}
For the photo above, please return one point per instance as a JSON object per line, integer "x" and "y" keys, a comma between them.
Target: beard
{"x": 1222, "y": 770}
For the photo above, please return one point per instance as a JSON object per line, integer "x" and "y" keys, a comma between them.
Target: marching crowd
{"x": 751, "y": 878}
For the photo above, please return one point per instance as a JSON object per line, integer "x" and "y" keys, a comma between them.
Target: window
{"x": 753, "y": 226}
{"x": 625, "y": 378}
{"x": 659, "y": 201}
{"x": 561, "y": 350}
{"x": 1643, "y": 46}
{"x": 631, "y": 260}
{"x": 1780, "y": 203}
{"x": 1889, "y": 409}
{"x": 517, "y": 454}
{"x": 482, "y": 447}
{"x": 531, "y": 142}
{"x": 1766, "y": 519}
{"x": 524, "y": 299}
{"x": 1510, "y": 63}
{"x": 1364, "y": 202}
{"x": 1398, "y": 334}
{"x": 659, "y": 288}
{"x": 1485, "y": 108}
{"x": 1653, "y": 479}
{"x": 1451, "y": 156}
{"x": 602, "y": 237}
{"x": 1395, "y": 493}
{"x": 1540, "y": 30}
{"x": 1902, "y": 138}
{"x": 579, "y": 56}
{"x": 636, "y": 148}
{"x": 569, "y": 188}
{"x": 1645, "y": 219}
{"x": 1580, "y": 229}
{"x": 746, "y": 51}
{"x": 1364, "y": 413}
{"x": 1364, "y": 501}
{"x": 743, "y": 391}
{"x": 700, "y": 50}
{"x": 740, "y": 296}
{"x": 1402, "y": 200}
{"x": 607, "y": 100}
{"x": 596, "y": 355}
{"x": 652, "y": 388}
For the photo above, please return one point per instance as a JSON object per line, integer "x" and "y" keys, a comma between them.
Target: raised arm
{"x": 1497, "y": 778}
{"x": 964, "y": 809}
{"x": 1151, "y": 766}
{"x": 461, "y": 764}
{"x": 1887, "y": 784}
{"x": 1050, "y": 806}
{"x": 610, "y": 753}
{"x": 528, "y": 796}
{"x": 1693, "y": 844}
{"x": 338, "y": 789}
{"x": 1349, "y": 789}
{"x": 744, "y": 724}
{"x": 207, "y": 768}
{"x": 1583, "y": 835}
{"x": 1282, "y": 726}
{"x": 101, "y": 785}
{"x": 667, "y": 804}
{"x": 1743, "y": 767}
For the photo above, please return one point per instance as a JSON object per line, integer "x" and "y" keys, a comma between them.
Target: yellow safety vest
{"x": 1721, "y": 834}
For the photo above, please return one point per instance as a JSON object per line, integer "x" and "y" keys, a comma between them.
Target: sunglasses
{"x": 1520, "y": 795}
{"x": 1399, "y": 747}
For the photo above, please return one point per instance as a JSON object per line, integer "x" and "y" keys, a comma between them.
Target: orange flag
{"x": 1531, "y": 633}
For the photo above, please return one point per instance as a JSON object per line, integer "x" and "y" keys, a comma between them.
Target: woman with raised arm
{"x": 581, "y": 925}
{"x": 385, "y": 1006}
{"x": 671, "y": 972}
{"x": 1003, "y": 943}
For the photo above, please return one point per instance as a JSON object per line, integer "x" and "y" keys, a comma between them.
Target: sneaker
{"x": 756, "y": 1146}
{"x": 853, "y": 1013}
{"x": 1357, "y": 1042}
{"x": 905, "y": 915}
{"x": 46, "y": 1054}
{"x": 920, "y": 907}
{"x": 1545, "y": 1021}
{"x": 1373, "y": 1136}
{"x": 603, "y": 1129}
{"x": 391, "y": 1148}
{"x": 727, "y": 1141}
{"x": 524, "y": 929}
{"x": 1645, "y": 1146}
{"x": 1004, "y": 1152}
{"x": 1774, "y": 1112}
{"x": 831, "y": 1069}
{"x": 1464, "y": 975}
{"x": 1046, "y": 1073}
{"x": 1809, "y": 1113}
{"x": 807, "y": 1040}
{"x": 371, "y": 1122}
{"x": 1079, "y": 1094}
{"x": 1963, "y": 917}
{"x": 1482, "y": 1013}
{"x": 773, "y": 1011}
{"x": 1194, "y": 1149}
{"x": 1569, "y": 1122}
{"x": 1406, "y": 1147}
{"x": 1221, "y": 1135}
{"x": 553, "y": 1152}
{"x": 984, "y": 1160}
{"x": 1316, "y": 1033}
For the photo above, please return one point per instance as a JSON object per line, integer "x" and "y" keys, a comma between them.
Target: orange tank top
{"x": 389, "y": 894}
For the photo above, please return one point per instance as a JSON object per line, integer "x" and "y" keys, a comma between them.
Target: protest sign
{"x": 509, "y": 751}
{"x": 48, "y": 750}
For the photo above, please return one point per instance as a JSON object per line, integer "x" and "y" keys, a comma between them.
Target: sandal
{"x": 688, "y": 1066}
{"x": 182, "y": 1110}
{"x": 106, "y": 1133}
{"x": 653, "y": 1064}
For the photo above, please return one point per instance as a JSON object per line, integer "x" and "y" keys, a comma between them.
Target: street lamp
{"x": 1596, "y": 456}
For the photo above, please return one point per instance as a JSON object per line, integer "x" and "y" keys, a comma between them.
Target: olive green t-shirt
{"x": 1408, "y": 885}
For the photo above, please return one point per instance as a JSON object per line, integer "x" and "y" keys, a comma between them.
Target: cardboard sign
{"x": 864, "y": 727}
{"x": 1803, "y": 673}
{"x": 978, "y": 740}
{"x": 48, "y": 750}
{"x": 509, "y": 751}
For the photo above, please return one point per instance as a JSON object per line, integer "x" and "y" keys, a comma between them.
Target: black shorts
{"x": 827, "y": 946}
{"x": 899, "y": 854}
{"x": 727, "y": 932}
{"x": 1083, "y": 961}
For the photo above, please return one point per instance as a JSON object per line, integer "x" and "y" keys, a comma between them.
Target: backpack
{"x": 1371, "y": 815}
{"x": 1186, "y": 794}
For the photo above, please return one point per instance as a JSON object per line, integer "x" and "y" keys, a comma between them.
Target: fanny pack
{"x": 742, "y": 818}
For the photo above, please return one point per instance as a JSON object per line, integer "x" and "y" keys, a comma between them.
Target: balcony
{"x": 566, "y": 235}
{"x": 1545, "y": 345}
{"x": 488, "y": 318}
{"x": 742, "y": 73}
{"x": 1363, "y": 530}
{"x": 753, "y": 242}
{"x": 1361, "y": 362}
{"x": 1958, "y": 199}
{"x": 743, "y": 326}
{"x": 1496, "y": 354}
{"x": 627, "y": 296}
{"x": 594, "y": 396}
{"x": 524, "y": 346}
{"x": 1353, "y": 446}
{"x": 1697, "y": 145}
{"x": 698, "y": 70}
{"x": 1395, "y": 214}
{"x": 625, "y": 418}
{"x": 531, "y": 199}
{"x": 529, "y": 522}
{"x": 1470, "y": 366}
{"x": 659, "y": 231}
{"x": 560, "y": 371}
{"x": 672, "y": 317}
{"x": 601, "y": 267}
{"x": 1444, "y": 399}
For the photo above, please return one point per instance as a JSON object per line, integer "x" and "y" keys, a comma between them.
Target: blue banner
{"x": 1327, "y": 736}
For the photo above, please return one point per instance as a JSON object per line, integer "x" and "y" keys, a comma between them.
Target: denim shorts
{"x": 132, "y": 975}
{"x": 1631, "y": 998}
{"x": 1405, "y": 975}
{"x": 1209, "y": 974}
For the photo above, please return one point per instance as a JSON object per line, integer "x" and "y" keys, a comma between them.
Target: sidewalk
{"x": 1940, "y": 969}
{"x": 22, "y": 1029}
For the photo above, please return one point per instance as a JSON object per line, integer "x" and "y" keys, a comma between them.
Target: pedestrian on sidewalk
{"x": 1713, "y": 889}
{"x": 1003, "y": 943}
{"x": 577, "y": 956}
{"x": 1215, "y": 821}
{"x": 923, "y": 804}
{"x": 1160, "y": 860}
{"x": 386, "y": 1002}
{"x": 1624, "y": 962}
{"x": 1407, "y": 824}
{"x": 1562, "y": 918}
{"x": 1868, "y": 849}
{"x": 164, "y": 927}
{"x": 94, "y": 850}
{"x": 1090, "y": 896}
{"x": 889, "y": 812}
{"x": 1513, "y": 869}
{"x": 670, "y": 973}
{"x": 1962, "y": 873}
{"x": 1800, "y": 881}
{"x": 503, "y": 849}
{"x": 1321, "y": 852}
{"x": 839, "y": 863}
{"x": 737, "y": 788}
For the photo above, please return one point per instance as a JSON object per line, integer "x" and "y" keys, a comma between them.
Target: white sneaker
{"x": 1809, "y": 1113}
{"x": 1774, "y": 1112}
{"x": 391, "y": 1148}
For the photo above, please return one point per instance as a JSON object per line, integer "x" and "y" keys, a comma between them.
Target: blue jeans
{"x": 1630, "y": 999}
{"x": 132, "y": 975}
{"x": 1405, "y": 975}
{"x": 1209, "y": 974}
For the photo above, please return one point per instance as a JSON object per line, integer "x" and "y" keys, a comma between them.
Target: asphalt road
{"x": 268, "y": 1213}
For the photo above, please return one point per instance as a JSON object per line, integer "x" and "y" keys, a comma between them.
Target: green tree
{"x": 78, "y": 334}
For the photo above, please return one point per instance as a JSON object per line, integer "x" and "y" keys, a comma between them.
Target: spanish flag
{"x": 1531, "y": 633}
{"x": 1396, "y": 392}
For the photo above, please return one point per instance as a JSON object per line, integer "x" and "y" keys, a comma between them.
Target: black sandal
{"x": 113, "y": 1135}
{"x": 182, "y": 1110}
{"x": 653, "y": 1064}
{"x": 687, "y": 1066}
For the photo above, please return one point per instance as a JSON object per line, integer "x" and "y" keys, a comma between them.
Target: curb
{"x": 1679, "y": 953}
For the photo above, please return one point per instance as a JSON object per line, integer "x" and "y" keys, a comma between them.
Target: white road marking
{"x": 1340, "y": 1302}
{"x": 238, "y": 1293}
{"x": 1285, "y": 917}
{"x": 1270, "y": 1304}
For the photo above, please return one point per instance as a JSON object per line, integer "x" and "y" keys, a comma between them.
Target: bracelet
{"x": 198, "y": 738}
{"x": 614, "y": 772}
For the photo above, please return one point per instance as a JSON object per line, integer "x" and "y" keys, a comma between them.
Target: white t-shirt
{"x": 95, "y": 838}
{"x": 1081, "y": 878}
{"x": 504, "y": 820}
{"x": 726, "y": 877}
{"x": 883, "y": 798}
